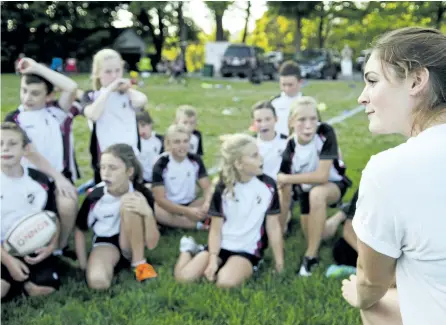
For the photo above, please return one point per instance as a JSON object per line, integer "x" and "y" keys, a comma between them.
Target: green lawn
{"x": 265, "y": 299}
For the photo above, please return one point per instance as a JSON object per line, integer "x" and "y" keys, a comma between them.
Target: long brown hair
{"x": 410, "y": 49}
{"x": 127, "y": 155}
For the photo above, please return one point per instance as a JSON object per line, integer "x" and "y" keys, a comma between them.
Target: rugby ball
{"x": 30, "y": 233}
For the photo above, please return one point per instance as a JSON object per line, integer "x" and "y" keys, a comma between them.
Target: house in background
{"x": 131, "y": 46}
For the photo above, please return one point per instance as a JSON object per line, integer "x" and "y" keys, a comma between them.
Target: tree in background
{"x": 218, "y": 9}
{"x": 297, "y": 10}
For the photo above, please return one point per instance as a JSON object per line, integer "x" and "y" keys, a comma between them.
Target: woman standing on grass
{"x": 400, "y": 219}
{"x": 245, "y": 216}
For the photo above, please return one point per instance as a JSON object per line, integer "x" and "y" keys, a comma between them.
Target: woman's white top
{"x": 401, "y": 213}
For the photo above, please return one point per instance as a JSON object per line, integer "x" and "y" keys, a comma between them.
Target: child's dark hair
{"x": 144, "y": 117}
{"x": 127, "y": 155}
{"x": 36, "y": 79}
{"x": 263, "y": 104}
{"x": 9, "y": 126}
{"x": 290, "y": 69}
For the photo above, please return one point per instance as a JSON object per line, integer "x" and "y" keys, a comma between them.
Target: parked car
{"x": 246, "y": 61}
{"x": 319, "y": 63}
{"x": 360, "y": 60}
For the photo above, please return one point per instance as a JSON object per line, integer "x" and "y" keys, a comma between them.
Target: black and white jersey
{"x": 101, "y": 210}
{"x": 271, "y": 152}
{"x": 245, "y": 213}
{"x": 117, "y": 124}
{"x": 282, "y": 105}
{"x": 196, "y": 143}
{"x": 299, "y": 159}
{"x": 178, "y": 178}
{"x": 44, "y": 131}
{"x": 66, "y": 122}
{"x": 31, "y": 193}
{"x": 151, "y": 148}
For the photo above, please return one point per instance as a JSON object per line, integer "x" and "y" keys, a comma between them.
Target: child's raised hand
{"x": 27, "y": 66}
{"x": 121, "y": 85}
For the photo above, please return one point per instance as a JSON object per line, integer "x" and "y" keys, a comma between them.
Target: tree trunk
{"x": 298, "y": 36}
{"x": 248, "y": 15}
{"x": 183, "y": 33}
{"x": 219, "y": 34}
{"x": 321, "y": 32}
{"x": 440, "y": 13}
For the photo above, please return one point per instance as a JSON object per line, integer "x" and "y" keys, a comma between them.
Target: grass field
{"x": 265, "y": 299}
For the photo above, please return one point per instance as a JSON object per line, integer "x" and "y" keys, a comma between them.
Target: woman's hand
{"x": 349, "y": 291}
{"x": 282, "y": 180}
{"x": 120, "y": 84}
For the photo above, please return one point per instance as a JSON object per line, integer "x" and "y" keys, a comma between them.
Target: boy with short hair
{"x": 187, "y": 116}
{"x": 46, "y": 150}
{"x": 290, "y": 84}
{"x": 152, "y": 144}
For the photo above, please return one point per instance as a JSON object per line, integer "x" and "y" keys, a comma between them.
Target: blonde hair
{"x": 98, "y": 60}
{"x": 303, "y": 101}
{"x": 232, "y": 150}
{"x": 174, "y": 128}
{"x": 186, "y": 110}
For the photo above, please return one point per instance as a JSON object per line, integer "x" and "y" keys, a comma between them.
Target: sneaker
{"x": 308, "y": 263}
{"x": 144, "y": 272}
{"x": 188, "y": 245}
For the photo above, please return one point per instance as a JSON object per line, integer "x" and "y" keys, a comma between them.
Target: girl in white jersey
{"x": 271, "y": 143}
{"x": 400, "y": 217}
{"x": 111, "y": 106}
{"x": 311, "y": 165}
{"x": 245, "y": 217}
{"x": 120, "y": 212}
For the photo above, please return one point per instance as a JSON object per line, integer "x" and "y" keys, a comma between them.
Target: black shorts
{"x": 124, "y": 260}
{"x": 304, "y": 197}
{"x": 344, "y": 254}
{"x": 224, "y": 255}
{"x": 43, "y": 274}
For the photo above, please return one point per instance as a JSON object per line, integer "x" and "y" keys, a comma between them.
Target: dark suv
{"x": 319, "y": 63}
{"x": 246, "y": 61}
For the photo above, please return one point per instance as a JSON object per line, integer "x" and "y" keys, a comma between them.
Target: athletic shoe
{"x": 203, "y": 225}
{"x": 188, "y": 245}
{"x": 308, "y": 263}
{"x": 144, "y": 272}
{"x": 340, "y": 271}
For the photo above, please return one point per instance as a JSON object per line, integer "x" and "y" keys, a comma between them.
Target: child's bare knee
{"x": 98, "y": 280}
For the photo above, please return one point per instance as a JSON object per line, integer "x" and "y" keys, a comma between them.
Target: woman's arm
{"x": 375, "y": 275}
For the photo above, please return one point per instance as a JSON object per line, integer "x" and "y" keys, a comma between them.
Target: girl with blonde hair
{"x": 312, "y": 168}
{"x": 111, "y": 106}
{"x": 245, "y": 217}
